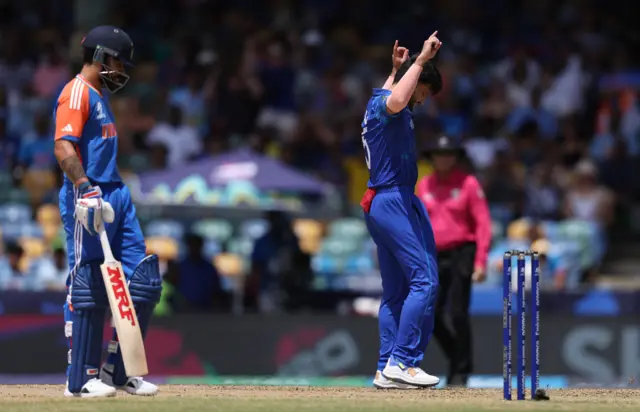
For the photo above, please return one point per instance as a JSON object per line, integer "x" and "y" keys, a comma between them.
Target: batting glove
{"x": 91, "y": 210}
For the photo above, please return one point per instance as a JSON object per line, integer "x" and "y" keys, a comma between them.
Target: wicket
{"x": 521, "y": 310}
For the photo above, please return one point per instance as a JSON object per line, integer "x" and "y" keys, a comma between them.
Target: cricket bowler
{"x": 93, "y": 196}
{"x": 398, "y": 221}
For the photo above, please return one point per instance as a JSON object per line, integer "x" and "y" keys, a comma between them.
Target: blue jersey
{"x": 83, "y": 117}
{"x": 389, "y": 144}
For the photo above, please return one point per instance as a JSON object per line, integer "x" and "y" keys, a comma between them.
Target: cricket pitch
{"x": 196, "y": 398}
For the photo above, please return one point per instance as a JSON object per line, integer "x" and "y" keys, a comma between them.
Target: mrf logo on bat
{"x": 120, "y": 293}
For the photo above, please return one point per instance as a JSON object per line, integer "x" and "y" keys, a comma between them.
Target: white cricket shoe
{"x": 381, "y": 382}
{"x": 134, "y": 386}
{"x": 397, "y": 372}
{"x": 94, "y": 388}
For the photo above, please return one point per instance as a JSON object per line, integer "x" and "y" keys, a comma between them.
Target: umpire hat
{"x": 444, "y": 144}
{"x": 112, "y": 41}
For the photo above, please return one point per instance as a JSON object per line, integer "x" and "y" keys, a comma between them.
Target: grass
{"x": 197, "y": 398}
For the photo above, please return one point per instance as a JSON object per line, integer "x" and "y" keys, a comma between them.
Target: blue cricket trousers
{"x": 400, "y": 227}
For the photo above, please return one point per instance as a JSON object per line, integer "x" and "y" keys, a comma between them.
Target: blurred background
{"x": 239, "y": 134}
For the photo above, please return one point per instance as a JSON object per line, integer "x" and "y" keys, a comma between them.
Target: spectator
{"x": 9, "y": 148}
{"x": 278, "y": 78}
{"x": 586, "y": 199}
{"x": 544, "y": 119}
{"x": 521, "y": 74}
{"x": 24, "y": 110}
{"x": 171, "y": 300}
{"x": 159, "y": 155}
{"x": 553, "y": 267}
{"x": 182, "y": 141}
{"x": 12, "y": 277}
{"x": 273, "y": 258}
{"x": 504, "y": 184}
{"x": 36, "y": 152}
{"x": 190, "y": 99}
{"x": 199, "y": 281}
{"x": 4, "y": 105}
{"x": 238, "y": 98}
{"x": 543, "y": 196}
{"x": 50, "y": 273}
{"x": 52, "y": 72}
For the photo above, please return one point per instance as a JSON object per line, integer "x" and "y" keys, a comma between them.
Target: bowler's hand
{"x": 429, "y": 49}
{"x": 479, "y": 274}
{"x": 399, "y": 56}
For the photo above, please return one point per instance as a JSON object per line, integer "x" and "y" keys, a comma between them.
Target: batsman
{"x": 397, "y": 220}
{"x": 93, "y": 197}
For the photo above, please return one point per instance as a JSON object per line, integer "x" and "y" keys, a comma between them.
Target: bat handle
{"x": 106, "y": 247}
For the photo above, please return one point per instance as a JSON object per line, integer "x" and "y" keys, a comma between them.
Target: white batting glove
{"x": 91, "y": 210}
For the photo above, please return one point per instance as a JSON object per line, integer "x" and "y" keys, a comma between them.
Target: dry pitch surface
{"x": 196, "y": 398}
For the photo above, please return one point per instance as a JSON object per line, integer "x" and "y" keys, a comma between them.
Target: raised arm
{"x": 403, "y": 90}
{"x": 399, "y": 56}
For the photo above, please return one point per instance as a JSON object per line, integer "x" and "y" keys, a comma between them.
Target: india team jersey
{"x": 389, "y": 144}
{"x": 83, "y": 117}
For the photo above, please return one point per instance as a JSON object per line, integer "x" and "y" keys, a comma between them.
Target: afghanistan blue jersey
{"x": 389, "y": 144}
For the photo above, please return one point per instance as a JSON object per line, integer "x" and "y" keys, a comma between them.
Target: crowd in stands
{"x": 541, "y": 93}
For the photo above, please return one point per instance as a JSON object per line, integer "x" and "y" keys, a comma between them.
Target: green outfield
{"x": 197, "y": 398}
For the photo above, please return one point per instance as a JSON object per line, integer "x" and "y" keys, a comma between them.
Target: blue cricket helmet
{"x": 111, "y": 41}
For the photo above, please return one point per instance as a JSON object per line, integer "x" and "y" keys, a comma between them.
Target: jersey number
{"x": 367, "y": 152}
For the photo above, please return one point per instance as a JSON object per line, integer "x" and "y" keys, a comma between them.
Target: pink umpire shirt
{"x": 458, "y": 211}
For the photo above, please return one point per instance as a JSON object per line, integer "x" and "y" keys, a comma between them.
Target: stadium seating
{"x": 12, "y": 231}
{"x": 168, "y": 228}
{"x": 164, "y": 246}
{"x": 48, "y": 214}
{"x": 15, "y": 213}
{"x": 307, "y": 228}
{"x": 37, "y": 183}
{"x": 348, "y": 228}
{"x": 241, "y": 246}
{"x": 342, "y": 252}
{"x": 229, "y": 265}
{"x": 254, "y": 228}
{"x": 211, "y": 248}
{"x": 33, "y": 247}
{"x": 213, "y": 229}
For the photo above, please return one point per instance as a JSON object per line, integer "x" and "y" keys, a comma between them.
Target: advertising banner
{"x": 586, "y": 349}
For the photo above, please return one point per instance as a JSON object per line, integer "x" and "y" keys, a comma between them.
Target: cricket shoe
{"x": 397, "y": 372}
{"x": 381, "y": 382}
{"x": 94, "y": 388}
{"x": 134, "y": 386}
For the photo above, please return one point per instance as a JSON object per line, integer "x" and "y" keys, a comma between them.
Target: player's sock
{"x": 84, "y": 321}
{"x": 145, "y": 287}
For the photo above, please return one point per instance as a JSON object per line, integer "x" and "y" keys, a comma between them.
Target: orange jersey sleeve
{"x": 72, "y": 111}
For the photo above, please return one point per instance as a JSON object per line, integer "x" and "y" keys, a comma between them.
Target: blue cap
{"x": 112, "y": 41}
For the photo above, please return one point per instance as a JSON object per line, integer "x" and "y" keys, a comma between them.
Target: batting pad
{"x": 145, "y": 288}
{"x": 85, "y": 313}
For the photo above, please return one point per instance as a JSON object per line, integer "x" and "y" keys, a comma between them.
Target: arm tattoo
{"x": 72, "y": 167}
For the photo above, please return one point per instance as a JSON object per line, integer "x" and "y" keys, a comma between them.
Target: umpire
{"x": 462, "y": 226}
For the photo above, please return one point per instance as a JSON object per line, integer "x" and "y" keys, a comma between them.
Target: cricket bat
{"x": 123, "y": 313}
